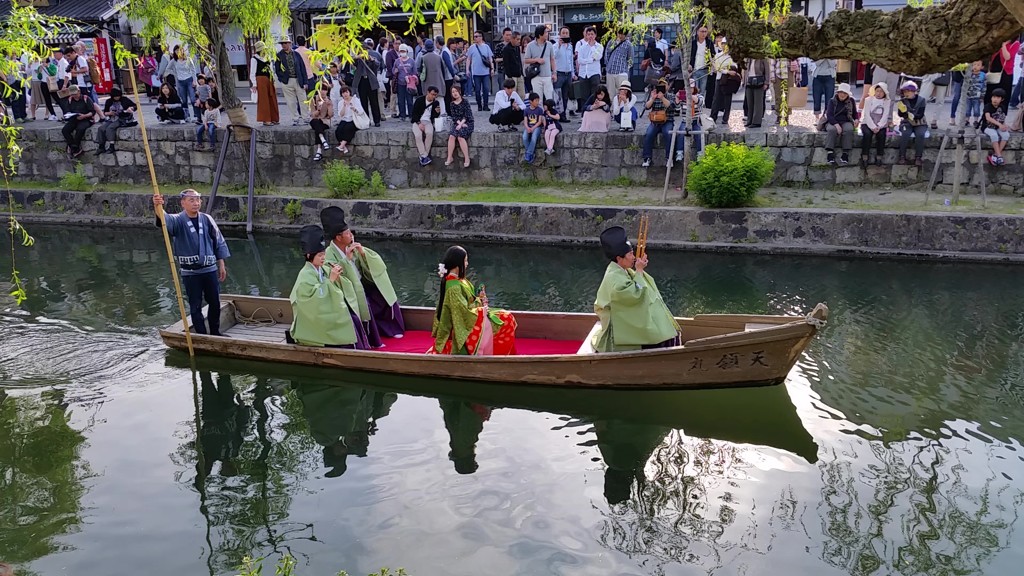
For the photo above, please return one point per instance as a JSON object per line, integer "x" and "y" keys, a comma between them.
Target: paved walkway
{"x": 800, "y": 119}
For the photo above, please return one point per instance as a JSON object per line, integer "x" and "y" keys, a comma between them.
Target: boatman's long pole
{"x": 160, "y": 215}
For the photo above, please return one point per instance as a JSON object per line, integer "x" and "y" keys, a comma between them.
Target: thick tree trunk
{"x": 911, "y": 40}
{"x": 1016, "y": 8}
{"x": 209, "y": 18}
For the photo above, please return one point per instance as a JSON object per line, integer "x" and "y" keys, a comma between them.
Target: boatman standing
{"x": 632, "y": 313}
{"x": 364, "y": 268}
{"x": 200, "y": 250}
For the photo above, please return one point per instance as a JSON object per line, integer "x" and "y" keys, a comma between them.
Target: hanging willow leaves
{"x": 23, "y": 33}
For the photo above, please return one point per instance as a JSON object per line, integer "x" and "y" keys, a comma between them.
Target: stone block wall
{"x": 284, "y": 158}
{"x": 930, "y": 235}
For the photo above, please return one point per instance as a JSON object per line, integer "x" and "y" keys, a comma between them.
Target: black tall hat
{"x": 311, "y": 239}
{"x": 615, "y": 243}
{"x": 333, "y": 220}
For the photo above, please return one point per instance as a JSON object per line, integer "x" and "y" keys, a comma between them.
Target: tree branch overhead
{"x": 911, "y": 40}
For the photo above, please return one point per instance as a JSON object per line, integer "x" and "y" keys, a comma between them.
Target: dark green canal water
{"x": 893, "y": 448}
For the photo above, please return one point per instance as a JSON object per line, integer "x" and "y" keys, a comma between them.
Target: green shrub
{"x": 377, "y": 186}
{"x": 74, "y": 180}
{"x": 729, "y": 175}
{"x": 293, "y": 209}
{"x": 342, "y": 180}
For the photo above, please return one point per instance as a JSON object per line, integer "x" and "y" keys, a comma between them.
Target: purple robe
{"x": 388, "y": 320}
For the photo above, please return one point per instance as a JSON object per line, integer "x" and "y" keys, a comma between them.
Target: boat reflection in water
{"x": 341, "y": 420}
{"x": 629, "y": 425}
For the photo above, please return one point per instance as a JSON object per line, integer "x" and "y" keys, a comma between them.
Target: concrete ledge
{"x": 284, "y": 158}
{"x": 784, "y": 231}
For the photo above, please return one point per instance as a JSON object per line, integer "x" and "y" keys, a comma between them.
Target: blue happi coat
{"x": 197, "y": 251}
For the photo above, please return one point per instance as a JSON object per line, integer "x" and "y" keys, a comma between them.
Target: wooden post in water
{"x": 958, "y": 168}
{"x": 981, "y": 170}
{"x": 935, "y": 169}
{"x": 163, "y": 222}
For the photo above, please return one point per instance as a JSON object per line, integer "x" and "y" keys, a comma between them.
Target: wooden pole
{"x": 981, "y": 170}
{"x": 163, "y": 222}
{"x": 958, "y": 169}
{"x": 935, "y": 170}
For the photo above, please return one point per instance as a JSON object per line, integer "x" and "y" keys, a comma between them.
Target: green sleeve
{"x": 372, "y": 266}
{"x": 457, "y": 318}
{"x": 355, "y": 295}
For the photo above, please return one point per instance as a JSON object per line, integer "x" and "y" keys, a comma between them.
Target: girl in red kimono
{"x": 464, "y": 324}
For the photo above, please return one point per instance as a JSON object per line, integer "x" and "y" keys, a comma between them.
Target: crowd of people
{"x": 544, "y": 84}
{"x": 343, "y": 297}
{"x": 881, "y": 114}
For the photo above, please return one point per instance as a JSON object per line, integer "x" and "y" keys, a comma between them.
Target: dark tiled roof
{"x": 78, "y": 10}
{"x": 309, "y": 5}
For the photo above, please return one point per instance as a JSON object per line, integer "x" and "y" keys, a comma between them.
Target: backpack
{"x": 94, "y": 71}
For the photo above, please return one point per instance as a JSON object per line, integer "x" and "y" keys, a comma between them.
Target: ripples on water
{"x": 894, "y": 447}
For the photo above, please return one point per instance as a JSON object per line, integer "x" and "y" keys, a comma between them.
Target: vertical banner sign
{"x": 101, "y": 52}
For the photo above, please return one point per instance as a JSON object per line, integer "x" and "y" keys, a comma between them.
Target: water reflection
{"x": 894, "y": 448}
{"x": 464, "y": 422}
{"x": 42, "y": 479}
{"x": 341, "y": 419}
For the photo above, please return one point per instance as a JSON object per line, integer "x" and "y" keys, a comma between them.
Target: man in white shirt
{"x": 588, "y": 63}
{"x": 62, "y": 79}
{"x": 508, "y": 107}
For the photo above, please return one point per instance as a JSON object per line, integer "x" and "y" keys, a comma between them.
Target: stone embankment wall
{"x": 928, "y": 235}
{"x": 284, "y": 158}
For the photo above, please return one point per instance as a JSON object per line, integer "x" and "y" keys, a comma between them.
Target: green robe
{"x": 349, "y": 282}
{"x": 368, "y": 265}
{"x": 631, "y": 311}
{"x": 458, "y": 316}
{"x": 321, "y": 316}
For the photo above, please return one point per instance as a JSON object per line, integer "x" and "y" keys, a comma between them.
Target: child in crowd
{"x": 553, "y": 125}
{"x": 208, "y": 124}
{"x": 203, "y": 93}
{"x": 320, "y": 113}
{"x": 994, "y": 124}
{"x": 975, "y": 81}
{"x": 533, "y": 125}
{"x": 875, "y": 122}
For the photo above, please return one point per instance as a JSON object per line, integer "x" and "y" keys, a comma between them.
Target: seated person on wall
{"x": 118, "y": 112}
{"x": 320, "y": 314}
{"x": 79, "y": 114}
{"x": 377, "y": 302}
{"x": 632, "y": 313}
{"x": 463, "y": 323}
{"x": 508, "y": 107}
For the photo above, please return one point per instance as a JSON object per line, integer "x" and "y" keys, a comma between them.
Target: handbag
{"x": 533, "y": 70}
{"x": 645, "y": 64}
{"x": 658, "y": 116}
{"x": 755, "y": 82}
{"x": 51, "y": 84}
{"x": 441, "y": 124}
{"x": 942, "y": 80}
{"x": 579, "y": 90}
{"x": 360, "y": 119}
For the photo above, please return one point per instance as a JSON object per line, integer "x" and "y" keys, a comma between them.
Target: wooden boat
{"x": 719, "y": 350}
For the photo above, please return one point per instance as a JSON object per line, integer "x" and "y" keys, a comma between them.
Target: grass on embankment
{"x": 615, "y": 194}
